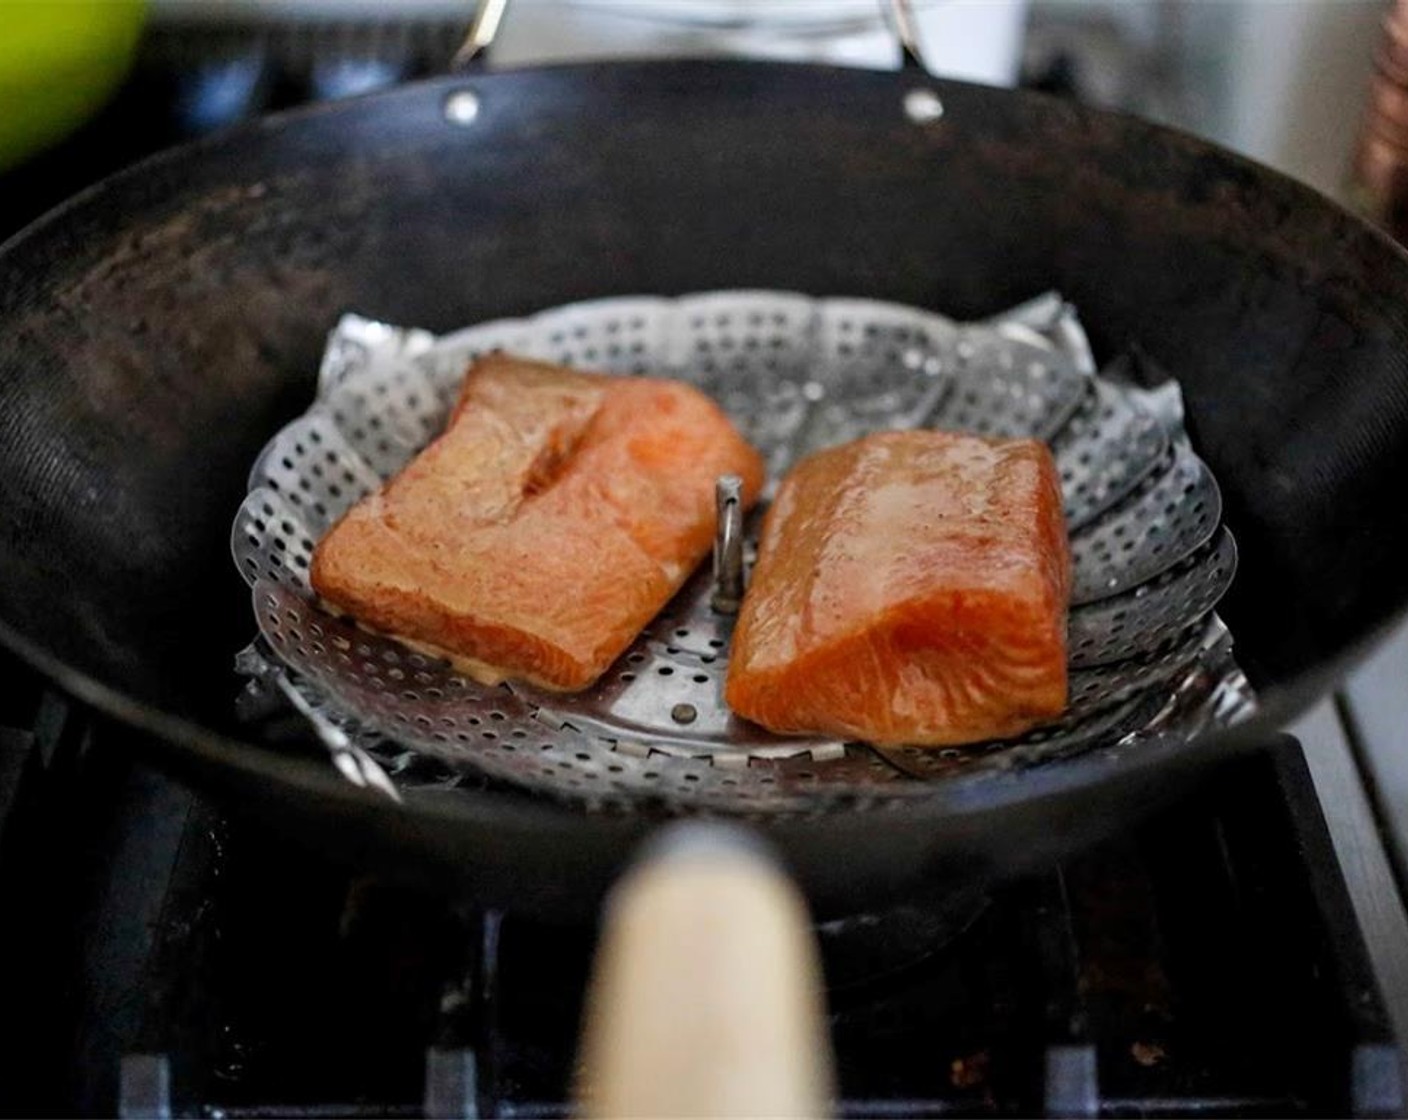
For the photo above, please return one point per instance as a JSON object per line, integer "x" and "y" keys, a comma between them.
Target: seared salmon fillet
{"x": 551, "y": 521}
{"x": 911, "y": 587}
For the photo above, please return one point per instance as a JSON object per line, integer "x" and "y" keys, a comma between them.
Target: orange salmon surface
{"x": 911, "y": 588}
{"x": 551, "y": 521}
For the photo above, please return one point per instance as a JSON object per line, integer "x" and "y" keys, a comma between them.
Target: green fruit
{"x": 59, "y": 61}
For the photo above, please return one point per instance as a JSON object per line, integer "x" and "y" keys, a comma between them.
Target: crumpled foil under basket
{"x": 1149, "y": 657}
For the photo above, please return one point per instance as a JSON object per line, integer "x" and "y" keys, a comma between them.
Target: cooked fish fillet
{"x": 539, "y": 534}
{"x": 911, "y": 587}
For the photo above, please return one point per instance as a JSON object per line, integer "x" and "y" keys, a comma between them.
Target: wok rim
{"x": 971, "y": 796}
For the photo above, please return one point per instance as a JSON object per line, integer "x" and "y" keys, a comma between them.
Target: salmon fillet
{"x": 911, "y": 587}
{"x": 551, "y": 521}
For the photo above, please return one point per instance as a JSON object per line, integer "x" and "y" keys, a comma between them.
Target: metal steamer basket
{"x": 1149, "y": 658}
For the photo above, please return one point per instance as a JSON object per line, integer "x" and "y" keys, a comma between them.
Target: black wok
{"x": 157, "y": 329}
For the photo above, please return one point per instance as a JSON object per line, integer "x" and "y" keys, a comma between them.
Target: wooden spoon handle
{"x": 706, "y": 998}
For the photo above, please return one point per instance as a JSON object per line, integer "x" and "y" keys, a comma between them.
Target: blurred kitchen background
{"x": 1285, "y": 81}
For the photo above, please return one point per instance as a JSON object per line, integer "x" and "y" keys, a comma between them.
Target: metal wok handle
{"x": 902, "y": 23}
{"x": 706, "y": 994}
{"x": 489, "y": 14}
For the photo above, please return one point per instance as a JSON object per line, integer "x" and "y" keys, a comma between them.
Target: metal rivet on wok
{"x": 923, "y": 106}
{"x": 462, "y": 107}
{"x": 684, "y": 713}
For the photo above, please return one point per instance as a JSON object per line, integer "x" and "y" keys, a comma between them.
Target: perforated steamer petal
{"x": 1151, "y": 559}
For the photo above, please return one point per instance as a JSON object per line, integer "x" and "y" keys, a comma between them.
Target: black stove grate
{"x": 164, "y": 959}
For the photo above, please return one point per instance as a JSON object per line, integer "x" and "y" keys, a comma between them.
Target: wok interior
{"x": 154, "y": 335}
